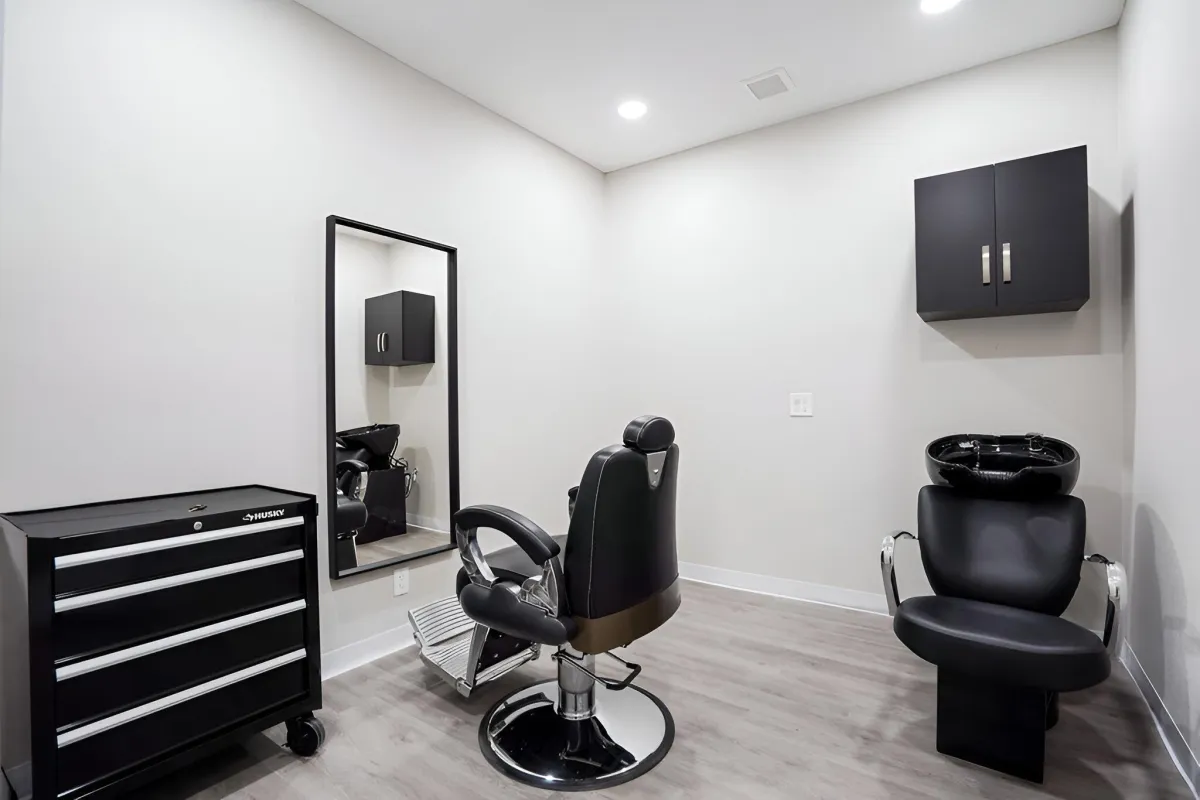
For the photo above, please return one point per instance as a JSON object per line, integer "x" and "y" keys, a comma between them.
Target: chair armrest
{"x": 1115, "y": 573}
{"x": 544, "y": 591}
{"x": 887, "y": 557}
{"x": 349, "y": 475}
{"x": 528, "y": 535}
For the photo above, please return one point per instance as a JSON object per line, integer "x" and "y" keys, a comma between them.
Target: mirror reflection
{"x": 391, "y": 401}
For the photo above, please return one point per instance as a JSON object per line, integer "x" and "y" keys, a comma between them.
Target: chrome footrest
{"x": 454, "y": 645}
{"x": 439, "y": 622}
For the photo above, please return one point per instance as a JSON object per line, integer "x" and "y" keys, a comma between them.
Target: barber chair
{"x": 1002, "y": 571}
{"x": 611, "y": 580}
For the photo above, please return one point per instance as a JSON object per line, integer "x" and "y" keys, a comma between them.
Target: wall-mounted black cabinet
{"x": 1009, "y": 238}
{"x": 399, "y": 329}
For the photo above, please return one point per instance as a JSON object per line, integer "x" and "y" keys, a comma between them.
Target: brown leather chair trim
{"x": 617, "y": 630}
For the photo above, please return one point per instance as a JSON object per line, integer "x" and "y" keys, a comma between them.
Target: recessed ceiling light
{"x": 938, "y": 6}
{"x": 632, "y": 109}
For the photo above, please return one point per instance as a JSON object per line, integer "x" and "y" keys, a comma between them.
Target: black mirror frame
{"x": 331, "y": 225}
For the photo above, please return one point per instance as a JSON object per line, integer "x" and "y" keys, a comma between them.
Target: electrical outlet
{"x": 802, "y": 404}
{"x": 399, "y": 582}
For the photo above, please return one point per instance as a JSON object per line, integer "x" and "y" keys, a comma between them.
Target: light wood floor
{"x": 771, "y": 698}
{"x": 417, "y": 540}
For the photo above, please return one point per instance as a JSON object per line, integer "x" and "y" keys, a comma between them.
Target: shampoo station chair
{"x": 1002, "y": 570}
{"x": 351, "y": 512}
{"x": 612, "y": 579}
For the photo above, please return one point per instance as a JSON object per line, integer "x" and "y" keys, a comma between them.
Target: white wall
{"x": 165, "y": 176}
{"x": 362, "y": 394}
{"x": 165, "y": 171}
{"x": 1, "y": 63}
{"x": 782, "y": 261}
{"x": 420, "y": 393}
{"x": 1161, "y": 127}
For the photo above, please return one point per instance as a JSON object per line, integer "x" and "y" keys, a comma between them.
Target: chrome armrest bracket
{"x": 545, "y": 591}
{"x": 1115, "y": 574}
{"x": 887, "y": 557}
{"x": 472, "y": 557}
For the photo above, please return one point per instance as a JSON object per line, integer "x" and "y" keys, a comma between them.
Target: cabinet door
{"x": 1042, "y": 232}
{"x": 418, "y": 328}
{"x": 384, "y": 329}
{"x": 956, "y": 246}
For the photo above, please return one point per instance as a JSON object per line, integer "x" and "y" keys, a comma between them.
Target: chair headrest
{"x": 649, "y": 434}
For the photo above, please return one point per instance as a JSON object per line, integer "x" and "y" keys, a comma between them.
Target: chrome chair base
{"x": 628, "y": 733}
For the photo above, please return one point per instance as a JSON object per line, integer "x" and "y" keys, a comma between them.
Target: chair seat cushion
{"x": 510, "y": 564}
{"x": 1005, "y": 644}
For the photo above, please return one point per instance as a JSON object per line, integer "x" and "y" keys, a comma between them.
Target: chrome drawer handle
{"x": 108, "y": 723}
{"x": 1006, "y": 261}
{"x": 109, "y": 553}
{"x": 158, "y": 645}
{"x": 171, "y": 581}
{"x": 987, "y": 265}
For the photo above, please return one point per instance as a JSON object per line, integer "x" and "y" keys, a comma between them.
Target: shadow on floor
{"x": 1072, "y": 746}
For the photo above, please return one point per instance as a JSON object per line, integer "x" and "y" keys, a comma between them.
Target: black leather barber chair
{"x": 612, "y": 579}
{"x": 1002, "y": 571}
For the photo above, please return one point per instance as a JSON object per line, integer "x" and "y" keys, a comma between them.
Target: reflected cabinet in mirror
{"x": 392, "y": 393}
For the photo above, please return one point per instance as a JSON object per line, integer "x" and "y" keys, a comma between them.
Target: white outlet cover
{"x": 801, "y": 404}
{"x": 399, "y": 582}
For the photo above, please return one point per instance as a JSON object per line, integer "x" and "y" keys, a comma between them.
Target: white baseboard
{"x": 1176, "y": 744}
{"x": 351, "y": 656}
{"x": 354, "y": 655}
{"x": 428, "y": 523}
{"x": 785, "y": 587}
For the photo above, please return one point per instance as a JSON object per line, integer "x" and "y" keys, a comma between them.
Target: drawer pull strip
{"x": 158, "y": 645}
{"x": 108, "y": 723}
{"x": 120, "y": 592}
{"x": 138, "y": 548}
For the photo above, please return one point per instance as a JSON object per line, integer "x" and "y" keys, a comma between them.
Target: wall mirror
{"x": 392, "y": 396}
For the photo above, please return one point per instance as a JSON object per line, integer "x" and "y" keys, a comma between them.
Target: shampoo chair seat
{"x": 350, "y": 515}
{"x": 1002, "y": 643}
{"x": 1002, "y": 570}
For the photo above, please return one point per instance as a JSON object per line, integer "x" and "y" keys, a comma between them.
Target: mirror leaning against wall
{"x": 392, "y": 395}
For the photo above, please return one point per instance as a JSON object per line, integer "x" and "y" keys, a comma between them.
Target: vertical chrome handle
{"x": 1006, "y": 261}
{"x": 384, "y": 337}
{"x": 378, "y": 343}
{"x": 987, "y": 265}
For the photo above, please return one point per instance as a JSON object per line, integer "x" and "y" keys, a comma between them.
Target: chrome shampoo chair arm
{"x": 887, "y": 557}
{"x": 1115, "y": 574}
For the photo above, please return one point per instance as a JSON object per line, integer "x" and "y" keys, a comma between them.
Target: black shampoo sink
{"x": 1028, "y": 466}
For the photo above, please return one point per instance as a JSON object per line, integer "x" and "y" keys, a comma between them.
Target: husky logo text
{"x": 261, "y": 515}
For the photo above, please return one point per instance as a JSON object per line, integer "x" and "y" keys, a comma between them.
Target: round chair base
{"x": 524, "y": 737}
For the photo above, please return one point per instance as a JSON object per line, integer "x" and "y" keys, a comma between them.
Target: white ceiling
{"x": 559, "y": 68}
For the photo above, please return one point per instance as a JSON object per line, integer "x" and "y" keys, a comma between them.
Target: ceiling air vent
{"x": 769, "y": 84}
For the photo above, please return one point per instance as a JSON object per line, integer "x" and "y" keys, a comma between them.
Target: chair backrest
{"x": 1025, "y": 554}
{"x": 620, "y": 567}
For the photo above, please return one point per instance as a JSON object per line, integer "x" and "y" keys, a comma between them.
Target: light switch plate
{"x": 399, "y": 582}
{"x": 802, "y": 404}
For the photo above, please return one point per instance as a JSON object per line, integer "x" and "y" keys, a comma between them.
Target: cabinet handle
{"x": 384, "y": 337}
{"x": 987, "y": 265}
{"x": 378, "y": 346}
{"x": 1006, "y": 261}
